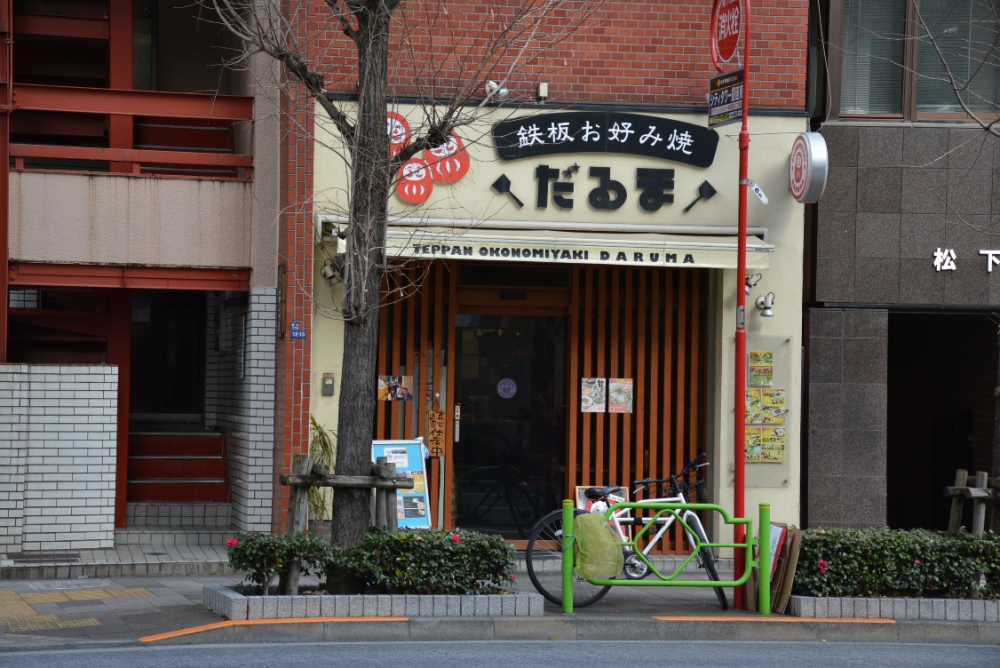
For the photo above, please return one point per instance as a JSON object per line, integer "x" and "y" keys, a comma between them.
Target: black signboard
{"x": 725, "y": 99}
{"x": 605, "y": 132}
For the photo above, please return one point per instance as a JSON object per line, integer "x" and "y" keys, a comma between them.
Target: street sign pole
{"x": 726, "y": 19}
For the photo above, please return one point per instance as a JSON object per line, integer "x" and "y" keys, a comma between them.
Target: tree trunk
{"x": 364, "y": 269}
{"x": 995, "y": 463}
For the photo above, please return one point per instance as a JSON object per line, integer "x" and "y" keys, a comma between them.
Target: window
{"x": 890, "y": 65}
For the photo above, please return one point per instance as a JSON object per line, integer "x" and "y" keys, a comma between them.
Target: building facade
{"x": 901, "y": 341}
{"x": 139, "y": 229}
{"x": 560, "y": 316}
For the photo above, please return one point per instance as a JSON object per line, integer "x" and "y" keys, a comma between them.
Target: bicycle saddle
{"x": 600, "y": 492}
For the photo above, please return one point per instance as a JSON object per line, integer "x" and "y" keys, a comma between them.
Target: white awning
{"x": 608, "y": 248}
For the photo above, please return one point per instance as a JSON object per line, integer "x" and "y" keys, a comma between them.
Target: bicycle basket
{"x": 597, "y": 553}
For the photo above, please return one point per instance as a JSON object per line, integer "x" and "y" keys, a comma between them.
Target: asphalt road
{"x": 568, "y": 654}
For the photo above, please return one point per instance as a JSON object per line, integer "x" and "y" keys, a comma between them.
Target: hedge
{"x": 888, "y": 562}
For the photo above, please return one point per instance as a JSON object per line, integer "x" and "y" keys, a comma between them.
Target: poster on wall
{"x": 772, "y": 445}
{"x": 761, "y": 368}
{"x": 593, "y": 395}
{"x": 412, "y": 505}
{"x": 753, "y": 414}
{"x": 773, "y": 407}
{"x": 752, "y": 444}
{"x": 619, "y": 395}
{"x": 395, "y": 388}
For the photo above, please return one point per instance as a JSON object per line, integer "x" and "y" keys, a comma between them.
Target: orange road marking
{"x": 250, "y": 622}
{"x": 765, "y": 618}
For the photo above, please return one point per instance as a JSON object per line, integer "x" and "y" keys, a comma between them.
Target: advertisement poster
{"x": 753, "y": 413}
{"x": 772, "y": 441}
{"x": 411, "y": 504}
{"x": 619, "y": 395}
{"x": 753, "y": 444}
{"x": 395, "y": 388}
{"x": 761, "y": 368}
{"x": 593, "y": 395}
{"x": 773, "y": 406}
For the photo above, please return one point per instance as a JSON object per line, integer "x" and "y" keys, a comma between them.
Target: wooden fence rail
{"x": 978, "y": 488}
{"x": 305, "y": 474}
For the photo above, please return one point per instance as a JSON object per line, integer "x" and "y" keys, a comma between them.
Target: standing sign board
{"x": 725, "y": 99}
{"x": 412, "y": 505}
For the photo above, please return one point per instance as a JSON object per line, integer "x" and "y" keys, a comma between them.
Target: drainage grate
{"x": 46, "y": 557}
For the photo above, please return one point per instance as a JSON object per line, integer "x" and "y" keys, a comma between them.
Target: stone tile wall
{"x": 58, "y": 435}
{"x": 847, "y": 417}
{"x": 896, "y": 194}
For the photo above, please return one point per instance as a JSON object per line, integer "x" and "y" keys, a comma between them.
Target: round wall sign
{"x": 727, "y": 24}
{"x": 506, "y": 388}
{"x": 807, "y": 167}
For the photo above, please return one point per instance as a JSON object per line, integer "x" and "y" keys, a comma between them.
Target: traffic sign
{"x": 727, "y": 24}
{"x": 725, "y": 99}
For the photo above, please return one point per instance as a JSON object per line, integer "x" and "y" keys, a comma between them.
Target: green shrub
{"x": 887, "y": 562}
{"x": 414, "y": 561}
{"x": 262, "y": 556}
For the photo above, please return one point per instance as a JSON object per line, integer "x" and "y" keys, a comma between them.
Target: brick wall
{"x": 57, "y": 456}
{"x": 653, "y": 52}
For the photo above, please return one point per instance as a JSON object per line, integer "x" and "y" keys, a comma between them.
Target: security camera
{"x": 493, "y": 89}
{"x": 327, "y": 271}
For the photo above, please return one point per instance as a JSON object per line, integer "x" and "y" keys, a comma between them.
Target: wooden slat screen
{"x": 646, "y": 324}
{"x": 651, "y": 326}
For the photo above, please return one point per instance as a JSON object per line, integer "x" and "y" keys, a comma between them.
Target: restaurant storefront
{"x": 558, "y": 318}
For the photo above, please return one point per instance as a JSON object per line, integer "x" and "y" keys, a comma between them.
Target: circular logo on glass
{"x": 506, "y": 388}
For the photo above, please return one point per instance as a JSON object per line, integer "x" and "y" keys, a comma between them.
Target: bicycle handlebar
{"x": 696, "y": 463}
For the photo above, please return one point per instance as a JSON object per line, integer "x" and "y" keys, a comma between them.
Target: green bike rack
{"x": 762, "y": 563}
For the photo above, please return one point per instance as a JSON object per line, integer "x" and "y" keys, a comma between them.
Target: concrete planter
{"x": 933, "y": 609}
{"x": 234, "y": 605}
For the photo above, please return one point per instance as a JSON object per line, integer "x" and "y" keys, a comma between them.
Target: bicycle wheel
{"x": 707, "y": 559}
{"x": 543, "y": 559}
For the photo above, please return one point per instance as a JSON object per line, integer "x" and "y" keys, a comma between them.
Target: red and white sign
{"x": 398, "y": 129}
{"x": 727, "y": 24}
{"x": 807, "y": 167}
{"x": 414, "y": 185}
{"x": 450, "y": 161}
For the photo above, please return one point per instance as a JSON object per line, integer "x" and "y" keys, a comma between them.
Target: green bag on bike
{"x": 597, "y": 553}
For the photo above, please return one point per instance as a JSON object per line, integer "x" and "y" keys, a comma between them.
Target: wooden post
{"x": 298, "y": 512}
{"x": 391, "y": 519}
{"x": 979, "y": 505}
{"x": 955, "y": 521}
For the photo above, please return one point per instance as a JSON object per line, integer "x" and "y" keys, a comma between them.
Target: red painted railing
{"x": 173, "y": 134}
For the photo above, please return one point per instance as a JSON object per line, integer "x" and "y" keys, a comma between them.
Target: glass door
{"x": 510, "y": 447}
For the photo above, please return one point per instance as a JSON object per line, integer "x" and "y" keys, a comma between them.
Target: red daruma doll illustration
{"x": 398, "y": 130}
{"x": 414, "y": 185}
{"x": 450, "y": 161}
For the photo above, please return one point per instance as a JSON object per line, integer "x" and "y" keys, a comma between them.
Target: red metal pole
{"x": 740, "y": 378}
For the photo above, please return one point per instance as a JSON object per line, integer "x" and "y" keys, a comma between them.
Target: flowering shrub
{"x": 262, "y": 556}
{"x": 887, "y": 562}
{"x": 427, "y": 562}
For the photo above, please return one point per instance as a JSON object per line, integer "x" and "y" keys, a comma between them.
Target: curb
{"x": 237, "y": 607}
{"x": 908, "y": 609}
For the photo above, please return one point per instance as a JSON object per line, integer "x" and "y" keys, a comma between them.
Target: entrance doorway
{"x": 510, "y": 449}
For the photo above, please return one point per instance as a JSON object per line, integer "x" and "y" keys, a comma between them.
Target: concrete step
{"x": 175, "y": 535}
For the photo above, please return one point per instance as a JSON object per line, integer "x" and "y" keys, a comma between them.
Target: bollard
{"x": 567, "y": 557}
{"x": 764, "y": 560}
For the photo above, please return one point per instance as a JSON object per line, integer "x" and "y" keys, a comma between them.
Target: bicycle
{"x": 544, "y": 552}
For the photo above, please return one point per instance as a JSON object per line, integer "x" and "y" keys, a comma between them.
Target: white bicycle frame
{"x": 690, "y": 519}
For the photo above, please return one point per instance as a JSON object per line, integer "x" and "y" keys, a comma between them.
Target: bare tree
{"x": 411, "y": 47}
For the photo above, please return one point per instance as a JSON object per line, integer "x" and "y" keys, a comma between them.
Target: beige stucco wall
{"x": 105, "y": 219}
{"x": 472, "y": 202}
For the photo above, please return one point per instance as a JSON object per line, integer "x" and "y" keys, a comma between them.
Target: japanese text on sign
{"x": 605, "y": 132}
{"x": 725, "y": 99}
